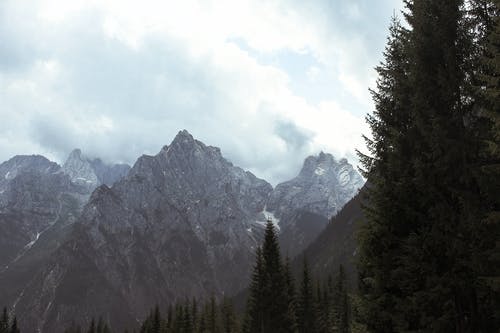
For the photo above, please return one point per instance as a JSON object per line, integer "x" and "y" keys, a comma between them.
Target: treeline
{"x": 430, "y": 251}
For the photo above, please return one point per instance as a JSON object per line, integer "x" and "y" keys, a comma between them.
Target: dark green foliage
{"x": 228, "y": 317}
{"x": 431, "y": 241}
{"x": 13, "y": 326}
{"x": 254, "y": 317}
{"x": 340, "y": 304}
{"x": 4, "y": 321}
{"x": 306, "y": 309}
{"x": 268, "y": 308}
{"x": 92, "y": 328}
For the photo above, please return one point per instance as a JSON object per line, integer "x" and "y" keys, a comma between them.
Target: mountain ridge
{"x": 182, "y": 222}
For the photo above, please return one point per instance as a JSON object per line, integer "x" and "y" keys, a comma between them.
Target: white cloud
{"x": 120, "y": 78}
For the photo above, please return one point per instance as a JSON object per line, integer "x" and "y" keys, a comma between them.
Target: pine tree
{"x": 341, "y": 306}
{"x": 254, "y": 317}
{"x": 13, "y": 327}
{"x": 421, "y": 252}
{"x": 275, "y": 292}
{"x": 229, "y": 321}
{"x": 213, "y": 318}
{"x": 4, "y": 321}
{"x": 291, "y": 297}
{"x": 92, "y": 327}
{"x": 389, "y": 191}
{"x": 488, "y": 255}
{"x": 306, "y": 311}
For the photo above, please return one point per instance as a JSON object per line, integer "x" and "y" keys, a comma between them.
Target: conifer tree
{"x": 13, "y": 327}
{"x": 275, "y": 293}
{"x": 489, "y": 127}
{"x": 306, "y": 311}
{"x": 92, "y": 327}
{"x": 291, "y": 297}
{"x": 229, "y": 321}
{"x": 341, "y": 303}
{"x": 389, "y": 190}
{"x": 422, "y": 252}
{"x": 254, "y": 317}
{"x": 4, "y": 321}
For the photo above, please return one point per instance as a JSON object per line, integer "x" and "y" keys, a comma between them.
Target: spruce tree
{"x": 254, "y": 316}
{"x": 341, "y": 303}
{"x": 4, "y": 321}
{"x": 291, "y": 297}
{"x": 389, "y": 193}
{"x": 92, "y": 327}
{"x": 13, "y": 327}
{"x": 423, "y": 250}
{"x": 306, "y": 310}
{"x": 229, "y": 320}
{"x": 488, "y": 256}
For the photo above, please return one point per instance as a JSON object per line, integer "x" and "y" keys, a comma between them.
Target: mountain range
{"x": 89, "y": 238}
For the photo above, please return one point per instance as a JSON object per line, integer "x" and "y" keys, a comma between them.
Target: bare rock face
{"x": 33, "y": 196}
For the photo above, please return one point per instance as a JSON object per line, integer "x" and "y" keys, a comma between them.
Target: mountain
{"x": 181, "y": 223}
{"x": 337, "y": 243}
{"x": 323, "y": 186}
{"x": 92, "y": 172}
{"x": 33, "y": 195}
{"x": 184, "y": 222}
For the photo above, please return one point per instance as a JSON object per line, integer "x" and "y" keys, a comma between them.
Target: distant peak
{"x": 183, "y": 138}
{"x": 75, "y": 153}
{"x": 184, "y": 134}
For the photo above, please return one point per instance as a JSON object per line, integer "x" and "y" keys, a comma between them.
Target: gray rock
{"x": 92, "y": 172}
{"x": 323, "y": 187}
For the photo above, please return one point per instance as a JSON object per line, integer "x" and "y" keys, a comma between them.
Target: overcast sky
{"x": 269, "y": 82}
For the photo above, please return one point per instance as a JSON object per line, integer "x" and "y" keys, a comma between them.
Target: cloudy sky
{"x": 269, "y": 82}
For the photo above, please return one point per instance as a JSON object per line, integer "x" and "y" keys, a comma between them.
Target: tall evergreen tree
{"x": 306, "y": 310}
{"x": 92, "y": 327}
{"x": 13, "y": 326}
{"x": 254, "y": 317}
{"x": 488, "y": 256}
{"x": 341, "y": 303}
{"x": 268, "y": 303}
{"x": 4, "y": 321}
{"x": 422, "y": 249}
{"x": 291, "y": 297}
{"x": 229, "y": 320}
{"x": 388, "y": 207}
{"x": 275, "y": 292}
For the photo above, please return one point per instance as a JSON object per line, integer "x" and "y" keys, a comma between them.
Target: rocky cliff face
{"x": 181, "y": 223}
{"x": 33, "y": 195}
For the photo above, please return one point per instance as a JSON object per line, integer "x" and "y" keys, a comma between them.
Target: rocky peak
{"x": 321, "y": 165}
{"x": 20, "y": 163}
{"x": 79, "y": 169}
{"x": 322, "y": 187}
{"x": 92, "y": 172}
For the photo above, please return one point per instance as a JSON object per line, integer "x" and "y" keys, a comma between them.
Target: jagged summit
{"x": 92, "y": 172}
{"x": 323, "y": 186}
{"x": 20, "y": 163}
